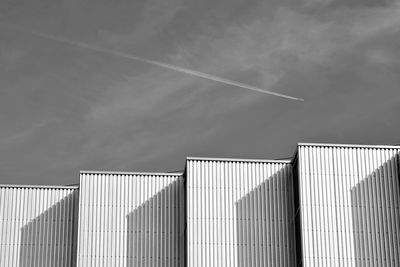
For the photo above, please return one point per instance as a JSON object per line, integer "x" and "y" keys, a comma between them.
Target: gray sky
{"x": 65, "y": 108}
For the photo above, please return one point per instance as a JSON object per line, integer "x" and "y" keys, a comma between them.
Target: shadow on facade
{"x": 375, "y": 214}
{"x": 50, "y": 239}
{"x": 155, "y": 227}
{"x": 265, "y": 227}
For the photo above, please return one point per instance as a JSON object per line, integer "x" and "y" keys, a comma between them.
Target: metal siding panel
{"x": 239, "y": 213}
{"x": 353, "y": 205}
{"x": 130, "y": 219}
{"x": 28, "y": 218}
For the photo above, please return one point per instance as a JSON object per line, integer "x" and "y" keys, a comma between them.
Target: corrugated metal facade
{"x": 37, "y": 226}
{"x": 131, "y": 219}
{"x": 240, "y": 213}
{"x": 348, "y": 205}
{"x": 334, "y": 205}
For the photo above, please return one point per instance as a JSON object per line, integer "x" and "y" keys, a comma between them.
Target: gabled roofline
{"x": 39, "y": 186}
{"x": 350, "y": 145}
{"x": 237, "y": 160}
{"x": 133, "y": 173}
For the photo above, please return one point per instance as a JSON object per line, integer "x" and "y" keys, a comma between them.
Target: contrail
{"x": 148, "y": 61}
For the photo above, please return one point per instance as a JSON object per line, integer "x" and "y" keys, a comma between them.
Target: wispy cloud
{"x": 154, "y": 18}
{"x": 112, "y": 113}
{"x": 317, "y": 3}
{"x": 149, "y": 61}
{"x": 24, "y": 135}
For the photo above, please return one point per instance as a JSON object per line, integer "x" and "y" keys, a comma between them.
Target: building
{"x": 131, "y": 219}
{"x": 348, "y": 205}
{"x": 38, "y": 225}
{"x": 331, "y": 205}
{"x": 240, "y": 212}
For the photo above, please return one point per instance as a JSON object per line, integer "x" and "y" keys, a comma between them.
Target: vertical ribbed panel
{"x": 131, "y": 219}
{"x": 349, "y": 205}
{"x": 37, "y": 226}
{"x": 240, "y": 213}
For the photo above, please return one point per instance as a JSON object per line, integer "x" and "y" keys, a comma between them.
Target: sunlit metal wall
{"x": 348, "y": 205}
{"x": 131, "y": 219}
{"x": 37, "y": 225}
{"x": 240, "y": 213}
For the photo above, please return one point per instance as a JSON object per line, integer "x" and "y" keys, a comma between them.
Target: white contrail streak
{"x": 148, "y": 61}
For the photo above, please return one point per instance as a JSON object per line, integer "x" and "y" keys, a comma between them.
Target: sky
{"x": 64, "y": 108}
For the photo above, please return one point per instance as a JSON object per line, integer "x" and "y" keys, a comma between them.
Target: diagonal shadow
{"x": 376, "y": 219}
{"x": 265, "y": 226}
{"x": 298, "y": 249}
{"x": 50, "y": 238}
{"x": 155, "y": 229}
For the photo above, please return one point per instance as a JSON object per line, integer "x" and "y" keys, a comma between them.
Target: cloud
{"x": 114, "y": 114}
{"x": 10, "y": 57}
{"x": 24, "y": 135}
{"x": 317, "y": 3}
{"x": 261, "y": 52}
{"x": 155, "y": 16}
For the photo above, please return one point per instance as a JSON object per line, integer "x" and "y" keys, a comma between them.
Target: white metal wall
{"x": 349, "y": 205}
{"x": 240, "y": 213}
{"x": 37, "y": 226}
{"x": 131, "y": 219}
